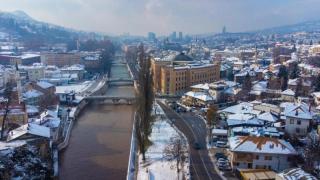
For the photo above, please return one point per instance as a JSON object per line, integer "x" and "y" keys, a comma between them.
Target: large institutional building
{"x": 60, "y": 59}
{"x": 174, "y": 76}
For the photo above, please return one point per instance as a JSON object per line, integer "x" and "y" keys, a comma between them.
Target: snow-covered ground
{"x": 77, "y": 88}
{"x": 156, "y": 166}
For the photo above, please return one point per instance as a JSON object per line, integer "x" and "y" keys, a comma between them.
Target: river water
{"x": 100, "y": 141}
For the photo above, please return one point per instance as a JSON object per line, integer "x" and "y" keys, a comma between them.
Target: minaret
{"x": 256, "y": 56}
{"x": 18, "y": 80}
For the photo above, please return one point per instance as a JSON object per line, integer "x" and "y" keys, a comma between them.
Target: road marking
{"x": 204, "y": 165}
{"x": 194, "y": 138}
{"x": 194, "y": 167}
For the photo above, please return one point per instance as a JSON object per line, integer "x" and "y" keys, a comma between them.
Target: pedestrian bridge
{"x": 111, "y": 99}
{"x": 120, "y": 82}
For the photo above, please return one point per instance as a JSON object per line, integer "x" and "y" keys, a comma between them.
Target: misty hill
{"x": 308, "y": 26}
{"x": 20, "y": 25}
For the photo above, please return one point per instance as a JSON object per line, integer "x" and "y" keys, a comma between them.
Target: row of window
{"x": 298, "y": 121}
{"x": 267, "y": 158}
{"x": 249, "y": 165}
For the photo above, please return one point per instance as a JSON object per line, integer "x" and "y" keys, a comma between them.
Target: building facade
{"x": 250, "y": 152}
{"x": 60, "y": 59}
{"x": 175, "y": 76}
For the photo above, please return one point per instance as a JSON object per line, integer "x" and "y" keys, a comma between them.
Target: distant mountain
{"x": 308, "y": 26}
{"x": 20, "y": 25}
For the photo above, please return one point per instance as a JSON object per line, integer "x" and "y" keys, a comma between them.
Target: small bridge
{"x": 120, "y": 82}
{"x": 111, "y": 99}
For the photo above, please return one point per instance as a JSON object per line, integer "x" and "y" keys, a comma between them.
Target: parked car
{"x": 223, "y": 164}
{"x": 223, "y": 160}
{"x": 225, "y": 168}
{"x": 220, "y": 155}
{"x": 221, "y": 144}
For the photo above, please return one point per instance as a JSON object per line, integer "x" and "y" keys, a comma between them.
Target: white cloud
{"x": 164, "y": 16}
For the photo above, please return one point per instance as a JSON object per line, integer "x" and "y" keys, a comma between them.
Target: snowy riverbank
{"x": 156, "y": 166}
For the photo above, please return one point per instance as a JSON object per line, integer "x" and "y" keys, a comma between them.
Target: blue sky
{"x": 164, "y": 16}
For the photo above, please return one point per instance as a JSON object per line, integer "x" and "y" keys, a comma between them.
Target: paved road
{"x": 195, "y": 131}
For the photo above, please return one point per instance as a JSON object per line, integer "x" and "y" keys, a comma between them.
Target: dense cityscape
{"x": 218, "y": 106}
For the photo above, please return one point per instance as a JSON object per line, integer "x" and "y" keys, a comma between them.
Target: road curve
{"x": 194, "y": 129}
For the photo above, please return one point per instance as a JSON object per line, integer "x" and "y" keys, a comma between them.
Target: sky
{"x": 138, "y": 17}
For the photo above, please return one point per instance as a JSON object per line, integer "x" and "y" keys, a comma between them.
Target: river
{"x": 100, "y": 141}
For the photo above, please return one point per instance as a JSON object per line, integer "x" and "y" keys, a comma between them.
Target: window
{"x": 268, "y": 158}
{"x": 299, "y": 122}
{"x": 249, "y": 165}
{"x": 257, "y": 157}
{"x": 291, "y": 121}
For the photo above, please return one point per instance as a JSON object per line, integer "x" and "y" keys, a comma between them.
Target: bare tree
{"x": 145, "y": 99}
{"x": 312, "y": 155}
{"x": 47, "y": 100}
{"x": 176, "y": 150}
{"x": 212, "y": 119}
{"x": 5, "y": 106}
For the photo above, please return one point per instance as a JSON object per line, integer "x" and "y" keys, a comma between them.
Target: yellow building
{"x": 175, "y": 76}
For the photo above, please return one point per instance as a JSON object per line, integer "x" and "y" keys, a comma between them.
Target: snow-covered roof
{"x": 200, "y": 95}
{"x": 296, "y": 174}
{"x": 201, "y": 86}
{"x": 268, "y": 116}
{"x": 265, "y": 145}
{"x": 294, "y": 82}
{"x": 29, "y": 128}
{"x": 260, "y": 86}
{"x": 32, "y": 94}
{"x": 243, "y": 120}
{"x": 11, "y": 145}
{"x": 26, "y": 56}
{"x": 77, "y": 88}
{"x": 242, "y": 108}
{"x": 299, "y": 110}
{"x": 32, "y": 109}
{"x": 48, "y": 114}
{"x": 75, "y": 67}
{"x": 44, "y": 84}
{"x": 288, "y": 92}
{"x": 316, "y": 94}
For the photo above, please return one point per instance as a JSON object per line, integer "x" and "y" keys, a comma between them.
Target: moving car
{"x": 196, "y": 146}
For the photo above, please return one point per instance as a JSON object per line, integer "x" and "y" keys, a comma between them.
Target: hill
{"x": 21, "y": 26}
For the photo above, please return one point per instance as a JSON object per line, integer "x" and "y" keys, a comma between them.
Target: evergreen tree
{"x": 299, "y": 90}
{"x": 295, "y": 71}
{"x": 283, "y": 76}
{"x": 316, "y": 83}
{"x": 246, "y": 86}
{"x": 145, "y": 98}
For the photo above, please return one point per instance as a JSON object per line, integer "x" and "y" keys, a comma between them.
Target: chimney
{"x": 309, "y": 107}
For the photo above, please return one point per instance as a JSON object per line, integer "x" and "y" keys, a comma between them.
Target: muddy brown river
{"x": 100, "y": 140}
